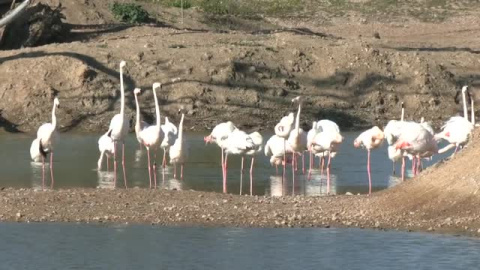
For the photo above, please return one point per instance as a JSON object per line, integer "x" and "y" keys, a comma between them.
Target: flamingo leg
{"x": 225, "y": 178}
{"x": 223, "y": 171}
{"x": 303, "y": 162}
{"x": 164, "y": 161}
{"x": 241, "y": 175}
{"x": 51, "y": 170}
{"x": 294, "y": 163}
{"x": 115, "y": 164}
{"x": 43, "y": 172}
{"x": 175, "y": 170}
{"x": 181, "y": 171}
{"x": 155, "y": 168}
{"x": 369, "y": 173}
{"x": 310, "y": 165}
{"x": 413, "y": 166}
{"x": 149, "y": 167}
{"x": 328, "y": 173}
{"x": 251, "y": 176}
{"x": 123, "y": 164}
{"x": 322, "y": 165}
{"x": 284, "y": 159}
{"x": 403, "y": 168}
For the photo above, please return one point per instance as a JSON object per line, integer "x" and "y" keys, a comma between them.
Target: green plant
{"x": 129, "y": 12}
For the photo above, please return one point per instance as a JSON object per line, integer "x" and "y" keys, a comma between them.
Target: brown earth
{"x": 248, "y": 74}
{"x": 441, "y": 199}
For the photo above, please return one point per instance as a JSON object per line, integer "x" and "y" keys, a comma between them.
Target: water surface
{"x": 70, "y": 246}
{"x": 76, "y": 156}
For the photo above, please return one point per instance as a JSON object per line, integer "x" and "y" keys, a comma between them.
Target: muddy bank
{"x": 250, "y": 78}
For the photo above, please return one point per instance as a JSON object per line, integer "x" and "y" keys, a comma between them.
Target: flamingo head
{"x": 157, "y": 85}
{"x": 297, "y": 100}
{"x": 208, "y": 139}
{"x": 464, "y": 89}
{"x": 56, "y": 102}
{"x": 137, "y": 91}
{"x": 402, "y": 145}
{"x": 357, "y": 143}
{"x": 122, "y": 64}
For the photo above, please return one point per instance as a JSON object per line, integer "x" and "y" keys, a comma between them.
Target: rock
{"x": 349, "y": 193}
{"x": 206, "y": 56}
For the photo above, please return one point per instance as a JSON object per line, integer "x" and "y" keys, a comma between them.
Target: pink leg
{"x": 223, "y": 171}
{"x": 149, "y": 167}
{"x": 155, "y": 168}
{"x": 294, "y": 164}
{"x": 43, "y": 172}
{"x": 241, "y": 176}
{"x": 369, "y": 174}
{"x": 303, "y": 162}
{"x": 284, "y": 159}
{"x": 310, "y": 165}
{"x": 403, "y": 168}
{"x": 328, "y": 173}
{"x": 456, "y": 149}
{"x": 181, "y": 171}
{"x": 225, "y": 178}
{"x": 115, "y": 164}
{"x": 123, "y": 164}
{"x": 251, "y": 176}
{"x": 174, "y": 170}
{"x": 164, "y": 161}
{"x": 51, "y": 170}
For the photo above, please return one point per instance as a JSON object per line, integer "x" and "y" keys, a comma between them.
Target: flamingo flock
{"x": 406, "y": 139}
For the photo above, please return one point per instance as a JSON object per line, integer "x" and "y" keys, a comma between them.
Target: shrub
{"x": 129, "y": 12}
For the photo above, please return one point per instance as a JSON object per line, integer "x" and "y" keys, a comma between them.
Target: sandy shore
{"x": 161, "y": 207}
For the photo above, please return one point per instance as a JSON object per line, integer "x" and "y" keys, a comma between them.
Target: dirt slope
{"x": 344, "y": 72}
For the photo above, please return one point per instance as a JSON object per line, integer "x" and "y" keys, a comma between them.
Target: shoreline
{"x": 195, "y": 208}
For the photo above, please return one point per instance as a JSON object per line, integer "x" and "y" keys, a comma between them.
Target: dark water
{"x": 69, "y": 246}
{"x": 76, "y": 156}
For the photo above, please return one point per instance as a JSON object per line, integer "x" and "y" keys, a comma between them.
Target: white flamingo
{"x": 257, "y": 139}
{"x": 118, "y": 129}
{"x": 170, "y": 134}
{"x": 417, "y": 141}
{"x": 238, "y": 143}
{"x": 369, "y": 139}
{"x": 326, "y": 142}
{"x": 44, "y": 143}
{"x": 457, "y": 129}
{"x": 152, "y": 136}
{"x": 274, "y": 148}
{"x": 139, "y": 124}
{"x": 219, "y": 135}
{"x": 283, "y": 129}
{"x": 179, "y": 150}
{"x": 106, "y": 148}
{"x": 297, "y": 138}
{"x": 392, "y": 131}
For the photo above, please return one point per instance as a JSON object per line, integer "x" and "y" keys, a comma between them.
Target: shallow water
{"x": 76, "y": 156}
{"x": 71, "y": 246}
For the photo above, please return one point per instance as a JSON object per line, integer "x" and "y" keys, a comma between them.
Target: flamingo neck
{"x": 180, "y": 130}
{"x": 138, "y": 111}
{"x": 122, "y": 92}
{"x": 157, "y": 108}
{"x": 297, "y": 121}
{"x": 54, "y": 117}
{"x": 473, "y": 111}
{"x": 402, "y": 117}
{"x": 464, "y": 99}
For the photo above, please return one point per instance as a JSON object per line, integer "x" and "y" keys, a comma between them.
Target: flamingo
{"x": 219, "y": 135}
{"x": 417, "y": 141}
{"x": 457, "y": 129}
{"x": 238, "y": 143}
{"x": 107, "y": 148}
{"x": 331, "y": 128}
{"x": 118, "y": 129}
{"x": 257, "y": 139}
{"x": 283, "y": 129}
{"x": 274, "y": 148}
{"x": 391, "y": 132}
{"x": 297, "y": 137}
{"x": 326, "y": 142}
{"x": 151, "y": 136}
{"x": 170, "y": 135}
{"x": 43, "y": 144}
{"x": 139, "y": 124}
{"x": 310, "y": 135}
{"x": 369, "y": 139}
{"x": 179, "y": 151}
